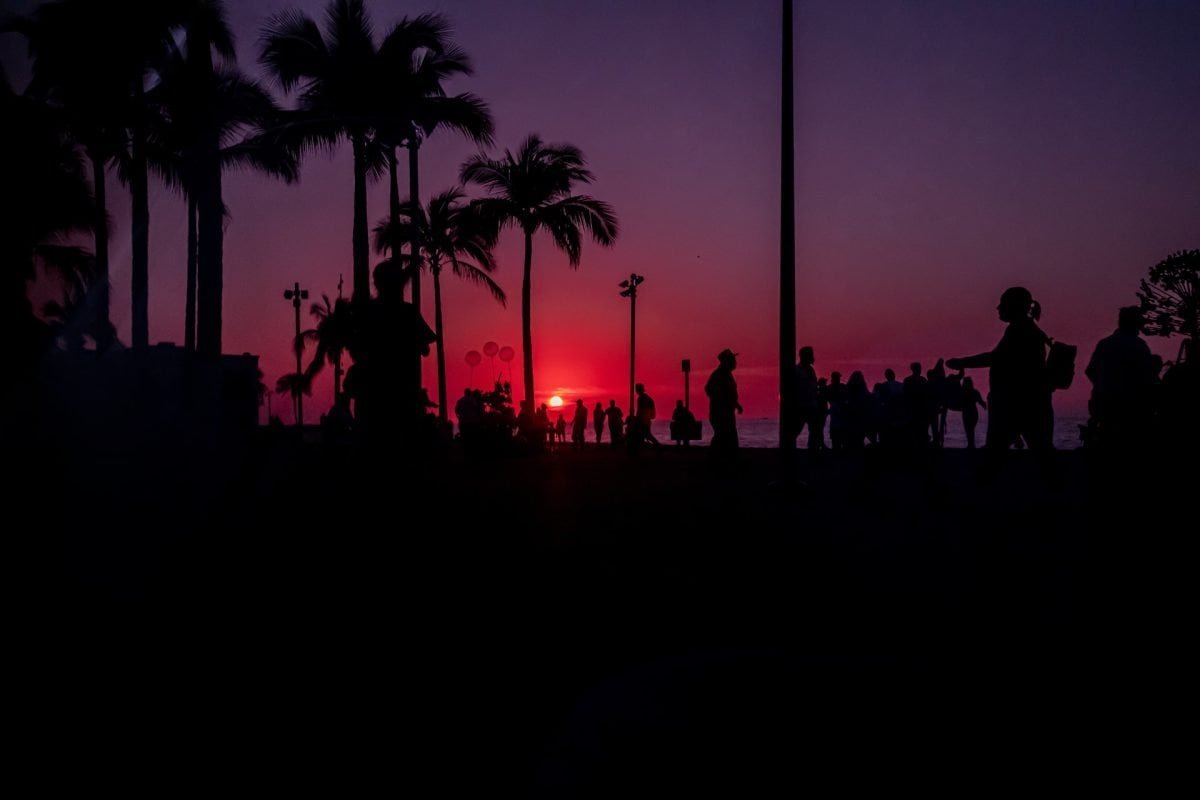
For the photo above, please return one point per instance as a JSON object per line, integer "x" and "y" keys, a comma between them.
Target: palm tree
{"x": 1170, "y": 297}
{"x": 446, "y": 232}
{"x": 93, "y": 59}
{"x": 338, "y": 80}
{"x": 415, "y": 58}
{"x": 331, "y": 336}
{"x": 212, "y": 118}
{"x": 531, "y": 190}
{"x": 43, "y": 170}
{"x": 295, "y": 384}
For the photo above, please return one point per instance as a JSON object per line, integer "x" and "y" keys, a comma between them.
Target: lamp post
{"x": 787, "y": 253}
{"x": 629, "y": 288}
{"x": 297, "y": 296}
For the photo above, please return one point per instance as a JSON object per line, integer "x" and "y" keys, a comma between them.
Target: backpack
{"x": 1060, "y": 365}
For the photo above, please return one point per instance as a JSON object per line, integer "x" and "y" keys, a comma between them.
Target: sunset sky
{"x": 945, "y": 151}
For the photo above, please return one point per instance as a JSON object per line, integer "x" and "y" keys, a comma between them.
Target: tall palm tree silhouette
{"x": 446, "y": 233}
{"x": 338, "y": 78}
{"x": 210, "y": 118}
{"x": 416, "y": 57}
{"x": 531, "y": 190}
{"x": 331, "y": 337}
{"x": 43, "y": 171}
{"x": 92, "y": 59}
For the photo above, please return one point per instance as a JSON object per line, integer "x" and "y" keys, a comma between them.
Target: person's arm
{"x": 971, "y": 362}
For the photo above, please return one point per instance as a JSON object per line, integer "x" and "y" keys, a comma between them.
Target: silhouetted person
{"x": 721, "y": 389}
{"x": 822, "y": 413}
{"x": 858, "y": 411}
{"x": 529, "y": 431}
{"x": 804, "y": 414}
{"x": 1123, "y": 373}
{"x": 388, "y": 343}
{"x": 938, "y": 405}
{"x": 889, "y": 409}
{"x": 683, "y": 422}
{"x": 835, "y": 394}
{"x": 616, "y": 418}
{"x": 598, "y": 420}
{"x": 646, "y": 414}
{"x": 560, "y": 429}
{"x": 1019, "y": 401}
{"x": 579, "y": 424}
{"x": 543, "y": 424}
{"x": 916, "y": 406}
{"x": 971, "y": 401}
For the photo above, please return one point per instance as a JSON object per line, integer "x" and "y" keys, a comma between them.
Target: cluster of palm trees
{"x": 155, "y": 88}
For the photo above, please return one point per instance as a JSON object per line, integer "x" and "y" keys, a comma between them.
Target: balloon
{"x": 507, "y": 354}
{"x": 490, "y": 349}
{"x": 473, "y": 358}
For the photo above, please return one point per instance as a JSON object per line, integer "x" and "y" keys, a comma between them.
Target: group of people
{"x": 1129, "y": 396}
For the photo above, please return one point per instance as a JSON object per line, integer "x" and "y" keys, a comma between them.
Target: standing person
{"x": 822, "y": 414}
{"x": 916, "y": 407}
{"x": 616, "y": 418}
{"x": 971, "y": 401}
{"x": 545, "y": 428}
{"x": 645, "y": 414}
{"x": 682, "y": 423}
{"x": 598, "y": 420}
{"x": 805, "y": 412}
{"x": 560, "y": 429}
{"x": 1123, "y": 372}
{"x": 1019, "y": 402}
{"x": 388, "y": 342}
{"x": 836, "y": 397}
{"x": 721, "y": 389}
{"x": 936, "y": 378}
{"x": 579, "y": 424}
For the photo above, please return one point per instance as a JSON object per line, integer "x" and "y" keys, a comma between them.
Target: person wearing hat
{"x": 722, "y": 403}
{"x": 1019, "y": 397}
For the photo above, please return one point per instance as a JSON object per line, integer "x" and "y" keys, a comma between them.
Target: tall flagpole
{"x": 787, "y": 255}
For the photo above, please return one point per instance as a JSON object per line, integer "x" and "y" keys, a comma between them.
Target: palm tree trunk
{"x": 362, "y": 268}
{"x": 393, "y": 200}
{"x": 210, "y": 259}
{"x": 103, "y": 288}
{"x": 140, "y": 194}
{"x": 189, "y": 312}
{"x": 443, "y": 411}
{"x": 414, "y": 194}
{"x": 526, "y": 323}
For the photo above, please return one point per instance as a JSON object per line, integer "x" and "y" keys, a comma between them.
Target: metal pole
{"x": 632, "y": 343}
{"x": 787, "y": 251}
{"x": 299, "y": 366}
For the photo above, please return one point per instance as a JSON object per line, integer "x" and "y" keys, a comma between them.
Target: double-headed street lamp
{"x": 630, "y": 288}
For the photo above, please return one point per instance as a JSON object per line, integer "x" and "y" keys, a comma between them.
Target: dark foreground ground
{"x": 591, "y": 625}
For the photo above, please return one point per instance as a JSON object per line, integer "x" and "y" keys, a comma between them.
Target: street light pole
{"x": 630, "y": 291}
{"x": 787, "y": 253}
{"x": 297, "y": 296}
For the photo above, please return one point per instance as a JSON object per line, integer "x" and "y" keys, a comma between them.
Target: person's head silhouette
{"x": 727, "y": 358}
{"x": 835, "y": 378}
{"x": 916, "y": 368}
{"x": 889, "y": 374}
{"x": 807, "y": 358}
{"x": 679, "y": 404}
{"x": 1130, "y": 320}
{"x": 968, "y": 384}
{"x": 640, "y": 389}
{"x": 1017, "y": 303}
{"x": 389, "y": 281}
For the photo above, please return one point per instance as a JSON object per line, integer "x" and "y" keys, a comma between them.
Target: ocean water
{"x": 764, "y": 431}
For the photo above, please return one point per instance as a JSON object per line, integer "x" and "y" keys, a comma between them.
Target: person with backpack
{"x": 1019, "y": 401}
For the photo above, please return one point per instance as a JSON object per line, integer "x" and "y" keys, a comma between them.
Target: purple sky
{"x": 945, "y": 151}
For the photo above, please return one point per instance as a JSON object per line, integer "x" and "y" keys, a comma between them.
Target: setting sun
{"x": 556, "y": 402}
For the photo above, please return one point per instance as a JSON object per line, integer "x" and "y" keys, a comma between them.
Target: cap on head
{"x": 726, "y": 355}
